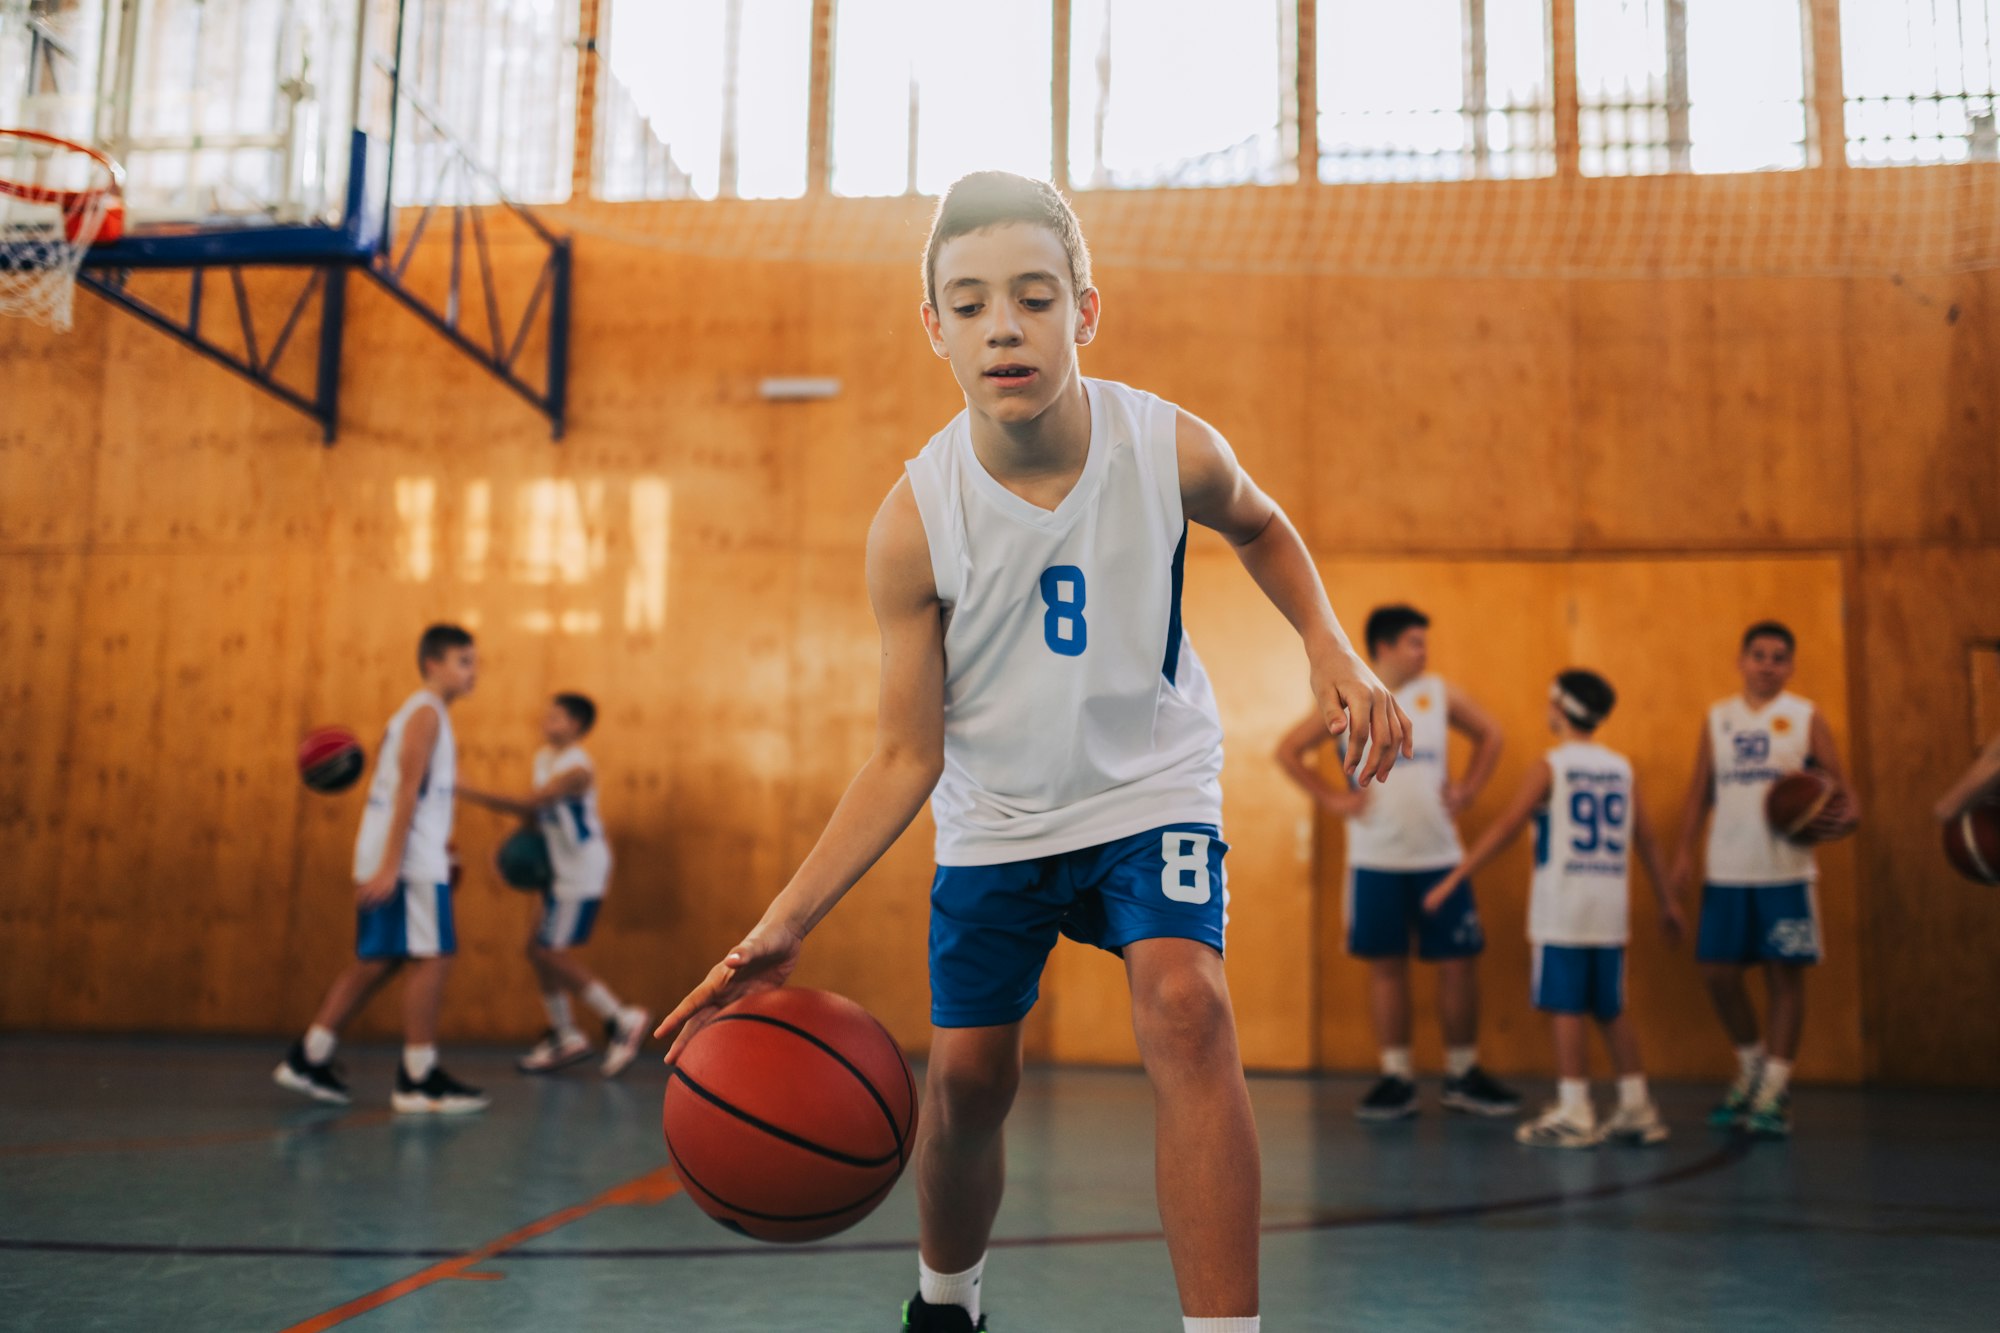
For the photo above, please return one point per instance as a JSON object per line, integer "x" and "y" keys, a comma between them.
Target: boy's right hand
{"x": 763, "y": 961}
{"x": 376, "y": 887}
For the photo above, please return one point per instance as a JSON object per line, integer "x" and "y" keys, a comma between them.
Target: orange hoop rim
{"x": 70, "y": 201}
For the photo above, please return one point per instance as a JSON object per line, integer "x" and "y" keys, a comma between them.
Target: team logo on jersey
{"x": 1751, "y": 746}
{"x": 1781, "y": 725}
{"x": 1423, "y": 703}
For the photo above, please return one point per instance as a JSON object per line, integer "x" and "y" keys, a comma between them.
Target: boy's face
{"x": 1556, "y": 720}
{"x": 454, "y": 674}
{"x": 1766, "y": 665}
{"x": 1404, "y": 657}
{"x": 558, "y": 727}
{"x": 1007, "y": 320}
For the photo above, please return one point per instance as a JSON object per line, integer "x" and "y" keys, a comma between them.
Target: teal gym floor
{"x": 167, "y": 1185}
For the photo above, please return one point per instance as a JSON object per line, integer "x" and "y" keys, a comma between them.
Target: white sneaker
{"x": 1638, "y": 1127}
{"x": 1554, "y": 1128}
{"x": 555, "y": 1051}
{"x": 628, "y": 1034}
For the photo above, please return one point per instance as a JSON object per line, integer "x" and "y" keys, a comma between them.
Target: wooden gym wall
{"x": 1614, "y": 470}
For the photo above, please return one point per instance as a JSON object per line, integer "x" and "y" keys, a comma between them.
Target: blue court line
{"x": 1728, "y": 1155}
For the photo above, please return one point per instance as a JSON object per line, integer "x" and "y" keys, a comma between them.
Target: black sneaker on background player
{"x": 322, "y": 1083}
{"x": 921, "y": 1318}
{"x": 1477, "y": 1093}
{"x": 1391, "y": 1098}
{"x": 438, "y": 1094}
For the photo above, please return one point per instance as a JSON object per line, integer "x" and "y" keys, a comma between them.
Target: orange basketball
{"x": 1972, "y": 844}
{"x": 1795, "y": 801}
{"x": 790, "y": 1116}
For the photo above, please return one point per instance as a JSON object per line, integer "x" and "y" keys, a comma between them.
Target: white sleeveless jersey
{"x": 1583, "y": 842}
{"x": 1405, "y": 826}
{"x": 426, "y": 859}
{"x": 1076, "y": 711}
{"x": 577, "y": 848}
{"x": 1753, "y": 748}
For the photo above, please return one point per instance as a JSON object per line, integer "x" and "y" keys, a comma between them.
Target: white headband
{"x": 1573, "y": 708}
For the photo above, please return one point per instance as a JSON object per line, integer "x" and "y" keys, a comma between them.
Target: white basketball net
{"x": 53, "y": 200}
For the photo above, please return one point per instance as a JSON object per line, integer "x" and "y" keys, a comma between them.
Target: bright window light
{"x": 1135, "y": 117}
{"x": 925, "y": 91}
{"x": 1921, "y": 81}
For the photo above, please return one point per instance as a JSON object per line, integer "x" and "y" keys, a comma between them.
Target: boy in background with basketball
{"x": 402, "y": 895}
{"x": 1036, "y": 685}
{"x": 563, "y": 806}
{"x": 1401, "y": 840}
{"x": 1588, "y": 820}
{"x": 1758, "y": 904}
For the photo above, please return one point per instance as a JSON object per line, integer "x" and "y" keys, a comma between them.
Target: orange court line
{"x": 653, "y": 1187}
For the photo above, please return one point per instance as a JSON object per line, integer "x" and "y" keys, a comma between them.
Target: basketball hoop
{"x": 57, "y": 199}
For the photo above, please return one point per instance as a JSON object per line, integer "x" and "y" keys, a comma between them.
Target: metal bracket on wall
{"x": 257, "y": 361}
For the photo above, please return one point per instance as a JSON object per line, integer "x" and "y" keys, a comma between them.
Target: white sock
{"x": 1777, "y": 1077}
{"x": 605, "y": 1005}
{"x": 1396, "y": 1062}
{"x": 960, "y": 1289}
{"x": 1749, "y": 1060}
{"x": 1459, "y": 1059}
{"x": 320, "y": 1043}
{"x": 1573, "y": 1098}
{"x": 1239, "y": 1324}
{"x": 557, "y": 1005}
{"x": 1632, "y": 1092}
{"x": 419, "y": 1061}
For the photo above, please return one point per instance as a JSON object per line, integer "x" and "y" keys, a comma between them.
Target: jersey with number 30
{"x": 1583, "y": 840}
{"x": 1076, "y": 711}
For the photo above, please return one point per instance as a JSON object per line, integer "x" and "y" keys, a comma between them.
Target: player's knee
{"x": 968, "y": 1095}
{"x": 1724, "y": 977}
{"x": 1183, "y": 1011}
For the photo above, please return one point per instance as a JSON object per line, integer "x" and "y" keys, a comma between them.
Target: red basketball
{"x": 1972, "y": 844}
{"x": 331, "y": 759}
{"x": 790, "y": 1116}
{"x": 1795, "y": 801}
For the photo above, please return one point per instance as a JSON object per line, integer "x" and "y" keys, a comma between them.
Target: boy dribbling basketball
{"x": 402, "y": 894}
{"x": 563, "y": 805}
{"x": 1758, "y": 905}
{"x": 1588, "y": 820}
{"x": 1037, "y": 686}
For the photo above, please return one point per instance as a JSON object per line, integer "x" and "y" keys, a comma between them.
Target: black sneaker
{"x": 1391, "y": 1098}
{"x": 1477, "y": 1093}
{"x": 322, "y": 1083}
{"x": 438, "y": 1094}
{"x": 921, "y": 1318}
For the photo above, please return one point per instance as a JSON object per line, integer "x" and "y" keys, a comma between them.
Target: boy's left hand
{"x": 1357, "y": 705}
{"x": 1435, "y": 899}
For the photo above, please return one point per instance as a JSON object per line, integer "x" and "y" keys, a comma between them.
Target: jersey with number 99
{"x": 1583, "y": 840}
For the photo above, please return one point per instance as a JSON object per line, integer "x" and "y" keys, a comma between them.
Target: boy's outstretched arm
{"x": 1672, "y": 921}
{"x": 1217, "y": 493}
{"x": 571, "y": 782}
{"x": 883, "y": 797}
{"x": 1534, "y": 790}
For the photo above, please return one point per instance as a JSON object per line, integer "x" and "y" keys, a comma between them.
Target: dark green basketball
{"x": 524, "y": 861}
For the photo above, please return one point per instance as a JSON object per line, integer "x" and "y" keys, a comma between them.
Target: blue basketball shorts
{"x": 992, "y": 927}
{"x": 566, "y": 922}
{"x": 1758, "y": 923}
{"x": 1580, "y": 979}
{"x": 414, "y": 921}
{"x": 1385, "y": 909}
